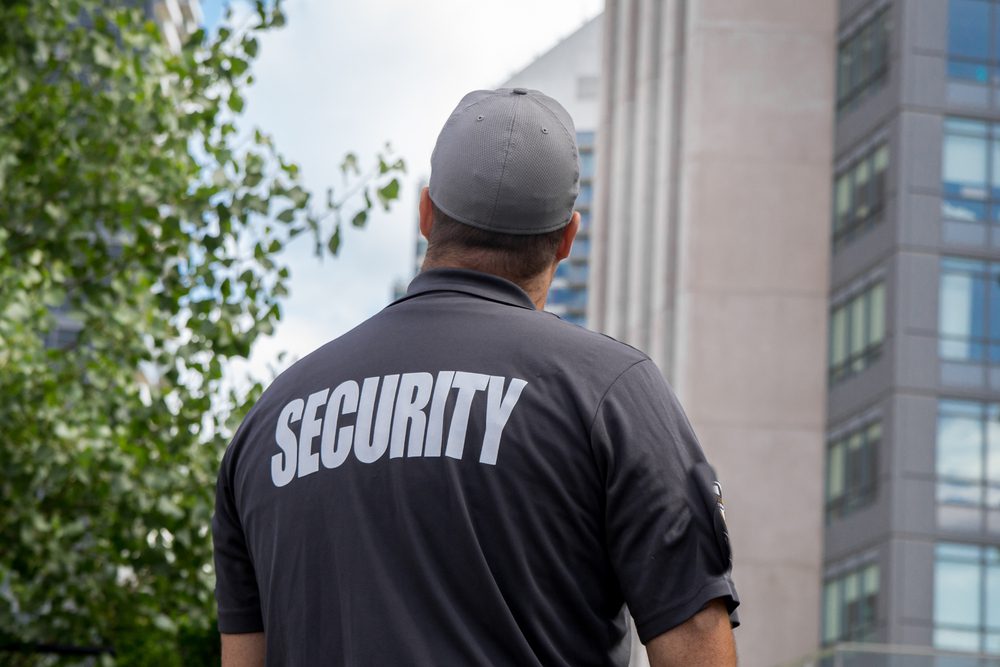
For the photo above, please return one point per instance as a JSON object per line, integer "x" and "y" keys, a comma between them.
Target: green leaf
{"x": 288, "y": 215}
{"x": 360, "y": 218}
{"x": 388, "y": 193}
{"x": 250, "y": 46}
{"x": 350, "y": 164}
{"x": 333, "y": 245}
{"x": 235, "y": 102}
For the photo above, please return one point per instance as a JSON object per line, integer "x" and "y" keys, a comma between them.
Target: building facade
{"x": 710, "y": 251}
{"x": 570, "y": 73}
{"x": 912, "y": 555}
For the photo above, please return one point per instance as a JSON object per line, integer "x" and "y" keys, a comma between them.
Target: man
{"x": 464, "y": 479}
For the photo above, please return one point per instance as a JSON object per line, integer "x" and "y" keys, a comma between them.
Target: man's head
{"x": 504, "y": 178}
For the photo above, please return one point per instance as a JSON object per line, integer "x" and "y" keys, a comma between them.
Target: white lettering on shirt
{"x": 336, "y": 445}
{"x": 283, "y": 463}
{"x": 402, "y": 414}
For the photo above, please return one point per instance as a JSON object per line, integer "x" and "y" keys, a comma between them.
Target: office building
{"x": 913, "y": 427}
{"x": 711, "y": 253}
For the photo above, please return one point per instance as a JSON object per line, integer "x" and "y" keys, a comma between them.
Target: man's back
{"x": 464, "y": 480}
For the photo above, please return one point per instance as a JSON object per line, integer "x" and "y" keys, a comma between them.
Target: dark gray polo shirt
{"x": 465, "y": 480}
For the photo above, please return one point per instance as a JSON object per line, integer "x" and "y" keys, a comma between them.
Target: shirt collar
{"x": 475, "y": 283}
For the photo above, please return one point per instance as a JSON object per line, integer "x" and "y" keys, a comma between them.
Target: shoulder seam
{"x": 600, "y": 403}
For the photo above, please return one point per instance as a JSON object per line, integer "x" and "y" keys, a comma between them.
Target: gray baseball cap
{"x": 506, "y": 161}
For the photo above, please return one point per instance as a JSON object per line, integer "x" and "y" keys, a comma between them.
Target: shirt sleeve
{"x": 236, "y": 583}
{"x": 664, "y": 519}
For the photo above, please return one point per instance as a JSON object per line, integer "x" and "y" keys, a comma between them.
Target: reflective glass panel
{"x": 857, "y": 325}
{"x": 831, "y": 611}
{"x": 993, "y": 443}
{"x": 958, "y": 316}
{"x": 838, "y": 337}
{"x": 957, "y": 592}
{"x": 842, "y": 198}
{"x": 959, "y": 447}
{"x": 964, "y": 169}
{"x": 963, "y": 209}
{"x": 969, "y": 28}
{"x": 862, "y": 195}
{"x": 876, "y": 314}
{"x": 835, "y": 471}
{"x": 992, "y": 594}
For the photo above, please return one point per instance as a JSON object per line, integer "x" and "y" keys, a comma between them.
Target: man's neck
{"x": 536, "y": 287}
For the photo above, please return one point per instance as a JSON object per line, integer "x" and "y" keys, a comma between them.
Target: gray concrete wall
{"x": 718, "y": 264}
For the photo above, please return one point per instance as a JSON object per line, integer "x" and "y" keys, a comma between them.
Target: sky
{"x": 351, "y": 76}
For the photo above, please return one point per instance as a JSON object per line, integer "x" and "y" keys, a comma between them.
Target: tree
{"x": 132, "y": 204}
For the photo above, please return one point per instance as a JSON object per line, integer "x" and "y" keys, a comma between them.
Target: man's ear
{"x": 426, "y": 213}
{"x": 569, "y": 233}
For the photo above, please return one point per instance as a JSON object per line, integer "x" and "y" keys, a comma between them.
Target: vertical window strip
{"x": 863, "y": 60}
{"x": 859, "y": 194}
{"x": 850, "y": 605}
{"x": 857, "y": 331}
{"x": 852, "y": 470}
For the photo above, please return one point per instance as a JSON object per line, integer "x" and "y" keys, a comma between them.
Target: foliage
{"x": 135, "y": 213}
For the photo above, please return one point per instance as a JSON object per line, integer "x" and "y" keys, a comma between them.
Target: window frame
{"x": 859, "y": 354}
{"x": 858, "y": 76}
{"x": 855, "y": 194}
{"x": 857, "y": 619}
{"x": 858, "y": 471}
{"x": 981, "y": 558}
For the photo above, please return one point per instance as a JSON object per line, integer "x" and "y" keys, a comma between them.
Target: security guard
{"x": 465, "y": 479}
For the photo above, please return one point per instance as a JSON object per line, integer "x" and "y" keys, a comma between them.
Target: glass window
{"x": 586, "y": 164}
{"x": 850, "y": 605}
{"x": 967, "y": 455}
{"x": 966, "y": 597}
{"x": 876, "y": 314}
{"x": 993, "y": 442}
{"x": 857, "y": 329}
{"x": 851, "y": 473}
{"x": 880, "y": 163}
{"x": 843, "y": 73}
{"x": 992, "y": 589}
{"x": 962, "y": 310}
{"x": 842, "y": 210}
{"x": 835, "y": 471}
{"x": 959, "y": 445}
{"x": 859, "y": 194}
{"x": 964, "y": 165}
{"x": 969, "y": 29}
{"x": 586, "y": 194}
{"x": 831, "y": 612}
{"x": 862, "y": 60}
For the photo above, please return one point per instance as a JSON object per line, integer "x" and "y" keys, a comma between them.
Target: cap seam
{"x": 506, "y": 156}
{"x": 489, "y": 227}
